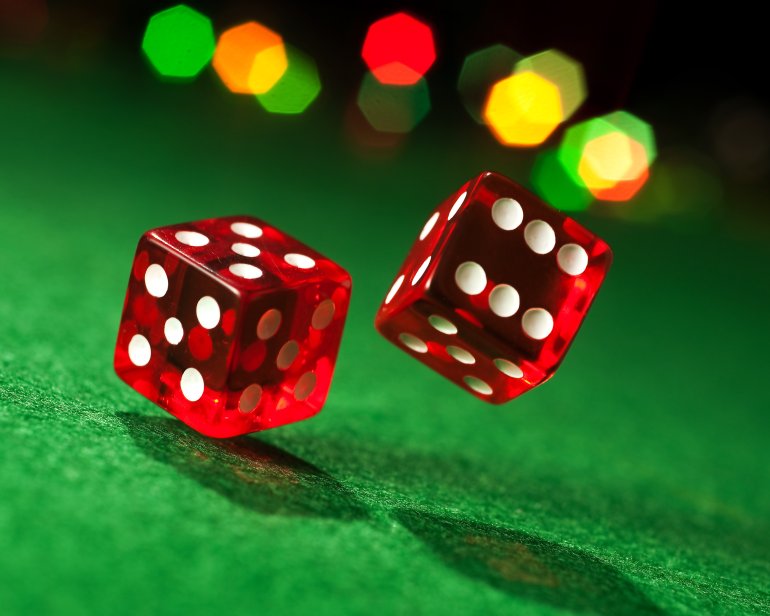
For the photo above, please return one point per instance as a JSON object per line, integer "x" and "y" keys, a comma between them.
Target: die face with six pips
{"x": 231, "y": 325}
{"x": 494, "y": 289}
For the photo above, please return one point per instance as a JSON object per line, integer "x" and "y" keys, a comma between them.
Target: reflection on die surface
{"x": 494, "y": 289}
{"x": 231, "y": 325}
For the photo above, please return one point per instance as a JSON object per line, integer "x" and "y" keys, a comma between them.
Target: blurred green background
{"x": 635, "y": 482}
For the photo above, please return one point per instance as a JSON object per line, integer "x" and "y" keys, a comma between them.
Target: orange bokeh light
{"x": 250, "y": 58}
{"x": 614, "y": 167}
{"x": 399, "y": 49}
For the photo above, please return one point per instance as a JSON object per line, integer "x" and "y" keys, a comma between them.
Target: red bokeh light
{"x": 399, "y": 49}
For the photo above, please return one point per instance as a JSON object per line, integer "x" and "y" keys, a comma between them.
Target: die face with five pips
{"x": 495, "y": 288}
{"x": 231, "y": 325}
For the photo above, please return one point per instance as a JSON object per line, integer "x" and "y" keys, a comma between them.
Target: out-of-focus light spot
{"x": 554, "y": 184}
{"x": 299, "y": 86}
{"x": 22, "y": 22}
{"x": 479, "y": 72}
{"x": 740, "y": 130}
{"x": 609, "y": 155}
{"x": 250, "y": 58}
{"x": 562, "y": 71}
{"x": 179, "y": 42}
{"x": 393, "y": 109}
{"x": 399, "y": 49}
{"x": 523, "y": 109}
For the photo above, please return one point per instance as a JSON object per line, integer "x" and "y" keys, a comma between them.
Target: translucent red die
{"x": 494, "y": 289}
{"x": 231, "y": 325}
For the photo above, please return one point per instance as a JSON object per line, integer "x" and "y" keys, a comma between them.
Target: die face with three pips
{"x": 231, "y": 325}
{"x": 494, "y": 289}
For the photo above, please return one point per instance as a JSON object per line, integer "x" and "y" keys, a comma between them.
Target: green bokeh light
{"x": 297, "y": 89}
{"x": 393, "y": 109}
{"x": 551, "y": 181}
{"x": 480, "y": 71}
{"x": 179, "y": 42}
{"x": 575, "y": 138}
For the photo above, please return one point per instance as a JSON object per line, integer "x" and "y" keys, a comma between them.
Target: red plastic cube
{"x": 494, "y": 289}
{"x": 231, "y": 325}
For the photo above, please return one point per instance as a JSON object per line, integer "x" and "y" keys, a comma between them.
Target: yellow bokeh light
{"x": 523, "y": 109}
{"x": 250, "y": 58}
{"x": 613, "y": 166}
{"x": 561, "y": 70}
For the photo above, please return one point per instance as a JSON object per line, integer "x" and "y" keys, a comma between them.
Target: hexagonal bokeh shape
{"x": 250, "y": 58}
{"x": 561, "y": 70}
{"x": 179, "y": 42}
{"x": 297, "y": 89}
{"x": 523, "y": 109}
{"x": 393, "y": 109}
{"x": 399, "y": 49}
{"x": 480, "y": 71}
{"x": 609, "y": 155}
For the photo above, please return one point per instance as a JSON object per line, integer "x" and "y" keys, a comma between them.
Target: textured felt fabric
{"x": 635, "y": 482}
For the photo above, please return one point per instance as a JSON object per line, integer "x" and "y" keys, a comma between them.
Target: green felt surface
{"x": 635, "y": 482}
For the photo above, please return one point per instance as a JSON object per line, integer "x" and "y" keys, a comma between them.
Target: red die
{"x": 495, "y": 288}
{"x": 231, "y": 325}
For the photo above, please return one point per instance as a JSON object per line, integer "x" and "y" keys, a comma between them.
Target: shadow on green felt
{"x": 268, "y": 479}
{"x": 526, "y": 566}
{"x": 246, "y": 471}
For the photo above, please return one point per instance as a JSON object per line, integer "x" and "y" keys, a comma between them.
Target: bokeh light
{"x": 523, "y": 109}
{"x": 393, "y": 109}
{"x": 179, "y": 42}
{"x": 609, "y": 155}
{"x": 399, "y": 49}
{"x": 296, "y": 89}
{"x": 250, "y": 58}
{"x": 479, "y": 72}
{"x": 562, "y": 71}
{"x": 551, "y": 181}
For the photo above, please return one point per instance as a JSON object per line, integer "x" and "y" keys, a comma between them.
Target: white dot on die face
{"x": 456, "y": 205}
{"x": 471, "y": 278}
{"x": 540, "y": 237}
{"x": 300, "y": 261}
{"x": 191, "y": 238}
{"x": 394, "y": 289}
{"x": 207, "y": 311}
{"x": 245, "y": 250}
{"x": 287, "y": 355}
{"x": 477, "y": 385}
{"x": 245, "y": 270}
{"x": 504, "y": 300}
{"x": 572, "y": 259}
{"x": 191, "y": 384}
{"x": 246, "y": 229}
{"x": 413, "y": 342}
{"x": 173, "y": 331}
{"x": 250, "y": 398}
{"x": 445, "y": 326}
{"x": 461, "y": 355}
{"x": 507, "y": 213}
{"x": 269, "y": 324}
{"x": 155, "y": 280}
{"x": 139, "y": 350}
{"x": 305, "y": 386}
{"x": 537, "y": 323}
{"x": 419, "y": 273}
{"x": 323, "y": 315}
{"x": 508, "y": 368}
{"x": 429, "y": 226}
